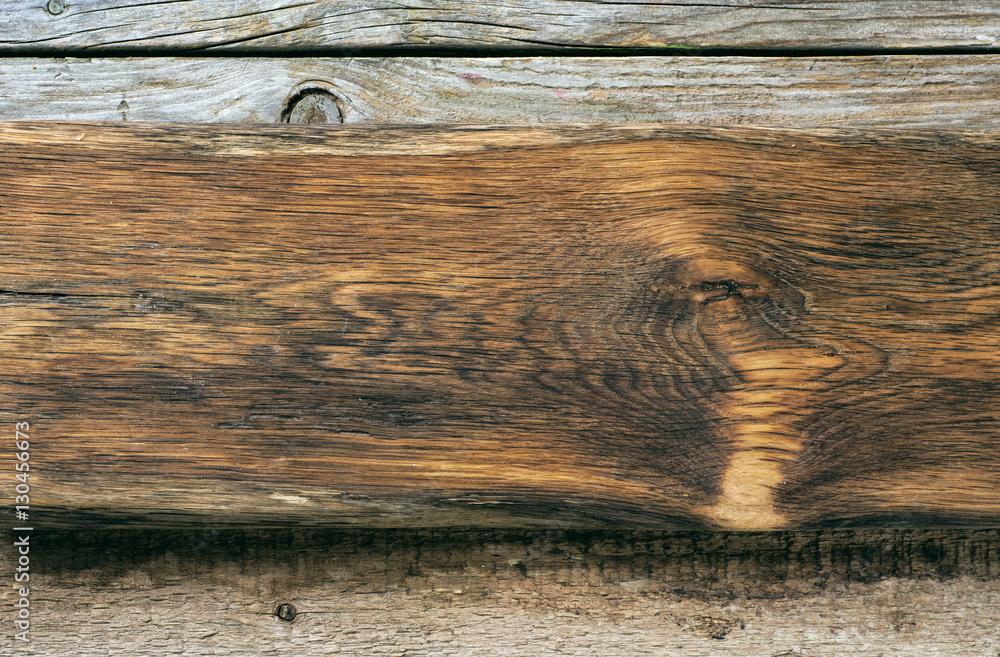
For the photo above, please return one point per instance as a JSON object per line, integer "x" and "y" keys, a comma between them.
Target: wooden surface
{"x": 571, "y": 326}
{"x": 881, "y": 91}
{"x": 215, "y": 592}
{"x": 63, "y": 27}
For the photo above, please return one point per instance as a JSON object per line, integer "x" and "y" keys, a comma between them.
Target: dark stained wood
{"x": 569, "y": 326}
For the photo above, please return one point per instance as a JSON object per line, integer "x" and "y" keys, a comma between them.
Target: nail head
{"x": 286, "y": 612}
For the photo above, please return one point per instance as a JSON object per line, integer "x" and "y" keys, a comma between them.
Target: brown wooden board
{"x": 563, "y": 326}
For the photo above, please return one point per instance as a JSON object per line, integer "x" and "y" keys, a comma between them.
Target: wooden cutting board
{"x": 541, "y": 327}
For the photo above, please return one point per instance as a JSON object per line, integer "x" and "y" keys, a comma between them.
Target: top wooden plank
{"x": 365, "y": 26}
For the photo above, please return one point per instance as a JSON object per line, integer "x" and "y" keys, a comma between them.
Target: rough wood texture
{"x": 214, "y": 592}
{"x": 534, "y": 326}
{"x": 360, "y": 25}
{"x": 885, "y": 91}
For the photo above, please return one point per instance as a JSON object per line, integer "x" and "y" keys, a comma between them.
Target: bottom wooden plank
{"x": 214, "y": 591}
{"x": 566, "y": 326}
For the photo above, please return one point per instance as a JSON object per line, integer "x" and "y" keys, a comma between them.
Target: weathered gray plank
{"x": 885, "y": 91}
{"x": 359, "y": 25}
{"x": 211, "y": 591}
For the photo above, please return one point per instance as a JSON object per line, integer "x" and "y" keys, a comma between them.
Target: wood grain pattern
{"x": 360, "y": 26}
{"x": 526, "y": 326}
{"x": 885, "y": 91}
{"x": 211, "y": 591}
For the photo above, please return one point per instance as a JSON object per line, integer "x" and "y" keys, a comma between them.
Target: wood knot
{"x": 708, "y": 280}
{"x": 312, "y": 103}
{"x": 721, "y": 290}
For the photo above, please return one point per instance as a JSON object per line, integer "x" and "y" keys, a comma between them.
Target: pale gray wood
{"x": 883, "y": 91}
{"x": 211, "y": 591}
{"x": 357, "y": 25}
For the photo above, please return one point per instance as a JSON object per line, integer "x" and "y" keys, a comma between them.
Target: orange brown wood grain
{"x": 539, "y": 327}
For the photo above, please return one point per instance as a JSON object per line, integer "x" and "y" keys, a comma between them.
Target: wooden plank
{"x": 890, "y": 91}
{"x": 214, "y": 592}
{"x": 356, "y": 27}
{"x": 563, "y": 326}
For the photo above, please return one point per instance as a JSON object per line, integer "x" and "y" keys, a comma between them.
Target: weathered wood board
{"x": 357, "y": 27}
{"x": 206, "y": 591}
{"x": 925, "y": 91}
{"x": 565, "y": 326}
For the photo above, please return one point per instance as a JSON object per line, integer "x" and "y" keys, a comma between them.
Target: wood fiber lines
{"x": 367, "y": 27}
{"x": 504, "y": 327}
{"x": 891, "y": 91}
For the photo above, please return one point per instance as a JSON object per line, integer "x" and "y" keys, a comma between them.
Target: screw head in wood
{"x": 286, "y": 612}
{"x": 56, "y": 7}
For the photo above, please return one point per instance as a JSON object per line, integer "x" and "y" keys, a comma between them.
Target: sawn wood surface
{"x": 652, "y": 326}
{"x": 899, "y": 91}
{"x": 380, "y": 27}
